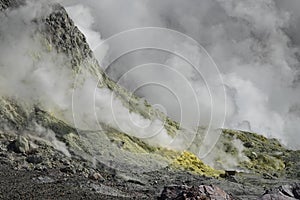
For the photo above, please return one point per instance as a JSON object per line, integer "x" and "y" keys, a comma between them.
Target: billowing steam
{"x": 255, "y": 45}
{"x": 34, "y": 74}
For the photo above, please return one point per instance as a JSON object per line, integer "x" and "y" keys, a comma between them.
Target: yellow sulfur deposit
{"x": 190, "y": 162}
{"x": 265, "y": 163}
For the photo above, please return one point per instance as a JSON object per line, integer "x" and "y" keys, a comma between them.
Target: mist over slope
{"x": 254, "y": 44}
{"x": 65, "y": 85}
{"x": 256, "y": 103}
{"x": 53, "y": 89}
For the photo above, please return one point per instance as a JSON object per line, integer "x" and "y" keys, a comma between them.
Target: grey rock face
{"x": 66, "y": 37}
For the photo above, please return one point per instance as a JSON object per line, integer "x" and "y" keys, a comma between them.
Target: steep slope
{"x": 59, "y": 37}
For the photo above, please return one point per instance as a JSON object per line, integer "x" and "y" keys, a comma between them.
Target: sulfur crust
{"x": 190, "y": 162}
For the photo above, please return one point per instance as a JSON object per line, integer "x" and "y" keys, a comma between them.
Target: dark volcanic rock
{"x": 34, "y": 159}
{"x": 284, "y": 192}
{"x": 4, "y": 4}
{"x": 69, "y": 169}
{"x": 195, "y": 192}
{"x": 20, "y": 145}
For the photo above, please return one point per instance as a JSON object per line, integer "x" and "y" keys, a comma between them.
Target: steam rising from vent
{"x": 254, "y": 44}
{"x": 34, "y": 74}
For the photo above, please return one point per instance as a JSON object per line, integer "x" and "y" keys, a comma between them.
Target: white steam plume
{"x": 254, "y": 42}
{"x": 33, "y": 74}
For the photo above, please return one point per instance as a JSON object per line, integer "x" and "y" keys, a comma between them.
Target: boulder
{"x": 96, "y": 176}
{"x": 34, "y": 159}
{"x": 182, "y": 192}
{"x": 285, "y": 192}
{"x": 20, "y": 145}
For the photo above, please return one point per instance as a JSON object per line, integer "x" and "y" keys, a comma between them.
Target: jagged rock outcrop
{"x": 65, "y": 37}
